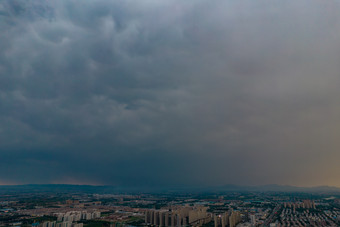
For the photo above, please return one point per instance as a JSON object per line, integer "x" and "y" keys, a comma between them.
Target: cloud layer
{"x": 160, "y": 93}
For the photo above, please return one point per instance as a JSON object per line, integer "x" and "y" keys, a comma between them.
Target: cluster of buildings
{"x": 61, "y": 224}
{"x": 230, "y": 218}
{"x": 334, "y": 215}
{"x": 305, "y": 204}
{"x": 190, "y": 215}
{"x": 289, "y": 217}
{"x": 234, "y": 209}
{"x": 72, "y": 216}
{"x": 178, "y": 216}
{"x": 69, "y": 219}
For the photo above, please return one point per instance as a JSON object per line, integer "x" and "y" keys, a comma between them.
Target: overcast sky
{"x": 171, "y": 92}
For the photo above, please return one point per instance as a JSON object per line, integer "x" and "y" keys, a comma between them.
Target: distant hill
{"x": 69, "y": 188}
{"x": 55, "y": 188}
{"x": 278, "y": 188}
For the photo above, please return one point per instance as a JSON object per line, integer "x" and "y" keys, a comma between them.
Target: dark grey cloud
{"x": 169, "y": 92}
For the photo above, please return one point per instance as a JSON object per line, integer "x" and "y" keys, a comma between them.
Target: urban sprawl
{"x": 229, "y": 209}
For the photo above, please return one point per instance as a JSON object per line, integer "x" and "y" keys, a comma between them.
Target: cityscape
{"x": 79, "y": 208}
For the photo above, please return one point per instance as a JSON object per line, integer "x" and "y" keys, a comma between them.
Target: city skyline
{"x": 166, "y": 93}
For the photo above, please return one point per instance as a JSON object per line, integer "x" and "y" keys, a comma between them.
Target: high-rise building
{"x": 234, "y": 218}
{"x": 155, "y": 219}
{"x": 161, "y": 223}
{"x": 146, "y": 217}
{"x": 166, "y": 222}
{"x": 172, "y": 220}
{"x": 48, "y": 224}
{"x": 223, "y": 222}
{"x": 215, "y": 220}
{"x": 253, "y": 219}
{"x": 178, "y": 220}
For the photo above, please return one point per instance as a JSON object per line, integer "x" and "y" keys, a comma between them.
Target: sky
{"x": 170, "y": 93}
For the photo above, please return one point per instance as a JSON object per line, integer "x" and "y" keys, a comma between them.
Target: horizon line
{"x": 174, "y": 186}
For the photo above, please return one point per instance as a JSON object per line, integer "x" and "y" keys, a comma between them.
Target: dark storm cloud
{"x": 169, "y": 92}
